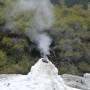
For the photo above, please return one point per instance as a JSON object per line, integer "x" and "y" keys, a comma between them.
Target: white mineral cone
{"x": 43, "y": 76}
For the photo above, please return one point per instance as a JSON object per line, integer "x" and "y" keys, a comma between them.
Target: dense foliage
{"x": 70, "y": 32}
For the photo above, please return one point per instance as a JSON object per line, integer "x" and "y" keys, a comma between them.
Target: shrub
{"x": 3, "y": 58}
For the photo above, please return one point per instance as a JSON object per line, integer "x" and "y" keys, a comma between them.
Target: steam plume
{"x": 42, "y": 19}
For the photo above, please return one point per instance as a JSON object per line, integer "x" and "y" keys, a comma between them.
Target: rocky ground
{"x": 77, "y": 81}
{"x": 43, "y": 76}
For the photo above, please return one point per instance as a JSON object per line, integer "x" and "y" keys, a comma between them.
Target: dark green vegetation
{"x": 70, "y": 50}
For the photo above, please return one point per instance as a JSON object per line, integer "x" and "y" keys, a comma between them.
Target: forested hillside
{"x": 70, "y": 32}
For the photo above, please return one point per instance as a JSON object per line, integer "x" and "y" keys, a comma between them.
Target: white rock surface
{"x": 77, "y": 81}
{"x": 87, "y": 79}
{"x": 43, "y": 76}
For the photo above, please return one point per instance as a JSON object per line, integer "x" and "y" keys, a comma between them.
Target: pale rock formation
{"x": 43, "y": 76}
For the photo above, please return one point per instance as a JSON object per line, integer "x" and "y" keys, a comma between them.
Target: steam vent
{"x": 43, "y": 76}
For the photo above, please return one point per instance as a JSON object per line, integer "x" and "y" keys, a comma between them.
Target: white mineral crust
{"x": 43, "y": 76}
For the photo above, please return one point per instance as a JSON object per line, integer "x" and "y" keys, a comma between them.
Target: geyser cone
{"x": 43, "y": 76}
{"x": 44, "y": 67}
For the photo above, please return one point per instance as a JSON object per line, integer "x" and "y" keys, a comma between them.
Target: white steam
{"x": 43, "y": 41}
{"x": 42, "y": 19}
